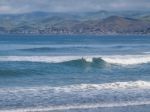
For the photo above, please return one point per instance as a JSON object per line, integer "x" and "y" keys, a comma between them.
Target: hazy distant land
{"x": 95, "y": 23}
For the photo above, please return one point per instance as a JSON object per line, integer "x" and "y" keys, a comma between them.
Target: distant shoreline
{"x": 74, "y": 34}
{"x": 112, "y": 25}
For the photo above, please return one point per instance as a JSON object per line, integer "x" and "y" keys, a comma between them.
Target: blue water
{"x": 74, "y": 73}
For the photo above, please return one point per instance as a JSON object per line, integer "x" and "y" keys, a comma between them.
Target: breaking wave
{"x": 130, "y": 93}
{"x": 115, "y": 59}
{"x": 81, "y": 106}
{"x": 84, "y": 87}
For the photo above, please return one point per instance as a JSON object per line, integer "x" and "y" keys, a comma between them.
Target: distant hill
{"x": 102, "y": 22}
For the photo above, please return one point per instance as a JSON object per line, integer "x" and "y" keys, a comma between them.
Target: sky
{"x": 23, "y": 6}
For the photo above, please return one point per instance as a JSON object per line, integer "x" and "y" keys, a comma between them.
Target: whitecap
{"x": 81, "y": 106}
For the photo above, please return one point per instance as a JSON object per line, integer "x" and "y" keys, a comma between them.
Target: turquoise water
{"x": 74, "y": 73}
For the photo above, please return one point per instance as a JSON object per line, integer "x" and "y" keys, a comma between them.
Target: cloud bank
{"x": 22, "y": 6}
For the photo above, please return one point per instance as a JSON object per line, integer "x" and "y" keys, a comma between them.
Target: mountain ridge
{"x": 91, "y": 23}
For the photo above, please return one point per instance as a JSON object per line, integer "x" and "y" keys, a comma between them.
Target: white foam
{"x": 83, "y": 87}
{"x": 81, "y": 106}
{"x": 115, "y": 59}
{"x": 146, "y": 52}
{"x": 127, "y": 59}
{"x": 48, "y": 59}
{"x": 80, "y": 87}
{"x": 104, "y": 86}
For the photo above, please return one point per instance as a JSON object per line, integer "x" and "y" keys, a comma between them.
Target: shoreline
{"x": 74, "y": 34}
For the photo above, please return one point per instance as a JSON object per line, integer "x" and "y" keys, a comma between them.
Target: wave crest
{"x": 85, "y": 87}
{"x": 116, "y": 59}
{"x": 81, "y": 106}
{"x": 127, "y": 94}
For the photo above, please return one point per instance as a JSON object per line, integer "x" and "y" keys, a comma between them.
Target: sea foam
{"x": 83, "y": 87}
{"x": 128, "y": 59}
{"x": 124, "y": 86}
{"x": 81, "y": 106}
{"x": 114, "y": 59}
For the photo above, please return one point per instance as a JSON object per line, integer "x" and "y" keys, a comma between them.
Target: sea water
{"x": 74, "y": 73}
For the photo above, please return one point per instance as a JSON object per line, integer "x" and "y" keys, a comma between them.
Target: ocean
{"x": 74, "y": 73}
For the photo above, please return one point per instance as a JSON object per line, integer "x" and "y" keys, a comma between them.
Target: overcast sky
{"x": 22, "y": 6}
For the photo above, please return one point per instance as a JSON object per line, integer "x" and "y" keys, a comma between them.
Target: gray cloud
{"x": 21, "y": 6}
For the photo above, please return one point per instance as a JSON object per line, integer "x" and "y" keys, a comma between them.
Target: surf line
{"x": 81, "y": 106}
